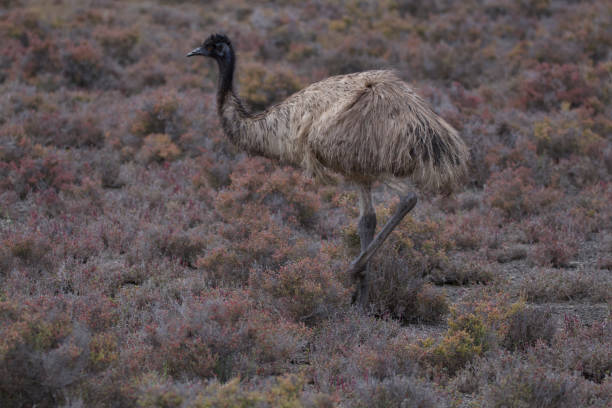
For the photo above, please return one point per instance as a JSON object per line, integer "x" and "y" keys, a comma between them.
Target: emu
{"x": 366, "y": 126}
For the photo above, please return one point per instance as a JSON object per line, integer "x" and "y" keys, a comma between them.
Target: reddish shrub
{"x": 118, "y": 43}
{"x": 261, "y": 87}
{"x": 82, "y": 64}
{"x": 41, "y": 56}
{"x": 158, "y": 147}
{"x": 307, "y": 290}
{"x": 223, "y": 335}
{"x": 550, "y": 84}
{"x": 31, "y": 249}
{"x": 40, "y": 351}
{"x": 555, "y": 248}
{"x": 158, "y": 115}
{"x": 513, "y": 192}
{"x": 49, "y": 170}
{"x": 284, "y": 191}
{"x": 75, "y": 130}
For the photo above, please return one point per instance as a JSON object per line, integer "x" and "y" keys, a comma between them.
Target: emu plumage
{"x": 367, "y": 126}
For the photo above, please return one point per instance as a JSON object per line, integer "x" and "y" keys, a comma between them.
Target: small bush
{"x": 31, "y": 249}
{"x": 514, "y": 193}
{"x": 42, "y": 56}
{"x": 566, "y": 137}
{"x": 525, "y": 384}
{"x": 455, "y": 351}
{"x": 584, "y": 349}
{"x": 398, "y": 392}
{"x": 261, "y": 87}
{"x": 400, "y": 291}
{"x": 549, "y": 285}
{"x": 550, "y": 84}
{"x": 158, "y": 147}
{"x": 554, "y": 248}
{"x": 110, "y": 167}
{"x": 118, "y": 43}
{"x": 526, "y": 326}
{"x": 223, "y": 335}
{"x": 467, "y": 337}
{"x": 41, "y": 353}
{"x": 76, "y": 130}
{"x": 160, "y": 115}
{"x": 282, "y": 391}
{"x": 307, "y": 290}
{"x": 82, "y": 64}
{"x": 511, "y": 253}
{"x": 413, "y": 251}
{"x": 47, "y": 171}
{"x": 461, "y": 274}
{"x": 103, "y": 351}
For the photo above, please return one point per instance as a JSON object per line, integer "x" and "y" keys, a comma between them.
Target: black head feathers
{"x": 215, "y": 39}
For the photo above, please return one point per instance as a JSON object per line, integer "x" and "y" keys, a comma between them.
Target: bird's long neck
{"x": 245, "y": 130}
{"x": 225, "y": 87}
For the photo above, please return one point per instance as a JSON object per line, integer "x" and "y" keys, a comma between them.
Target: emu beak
{"x": 197, "y": 51}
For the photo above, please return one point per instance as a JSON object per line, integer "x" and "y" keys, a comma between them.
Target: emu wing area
{"x": 380, "y": 128}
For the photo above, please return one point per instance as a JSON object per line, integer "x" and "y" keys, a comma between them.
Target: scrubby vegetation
{"x": 145, "y": 261}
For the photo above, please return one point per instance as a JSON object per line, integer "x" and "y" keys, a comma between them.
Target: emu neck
{"x": 252, "y": 133}
{"x": 226, "y": 78}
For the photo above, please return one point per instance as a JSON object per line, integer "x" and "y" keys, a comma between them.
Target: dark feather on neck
{"x": 227, "y": 65}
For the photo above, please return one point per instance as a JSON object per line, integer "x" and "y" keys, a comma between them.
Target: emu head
{"x": 217, "y": 46}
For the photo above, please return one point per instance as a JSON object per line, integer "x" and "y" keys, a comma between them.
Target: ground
{"x": 145, "y": 261}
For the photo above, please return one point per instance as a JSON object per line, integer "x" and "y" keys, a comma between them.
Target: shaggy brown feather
{"x": 365, "y": 126}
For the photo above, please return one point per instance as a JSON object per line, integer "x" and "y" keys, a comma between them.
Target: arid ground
{"x": 145, "y": 261}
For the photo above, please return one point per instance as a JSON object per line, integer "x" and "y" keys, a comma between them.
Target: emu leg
{"x": 406, "y": 204}
{"x": 366, "y": 229}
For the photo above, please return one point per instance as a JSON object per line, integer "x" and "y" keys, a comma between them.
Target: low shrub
{"x": 307, "y": 290}
{"x": 377, "y": 348}
{"x": 399, "y": 290}
{"x": 117, "y": 43}
{"x": 41, "y": 352}
{"x": 261, "y": 86}
{"x": 160, "y": 114}
{"x": 478, "y": 329}
{"x": 414, "y": 250}
{"x": 45, "y": 170}
{"x": 553, "y": 248}
{"x": 398, "y": 392}
{"x": 75, "y": 130}
{"x": 528, "y": 325}
{"x": 223, "y": 335}
{"x": 461, "y": 273}
{"x": 550, "y": 285}
{"x": 282, "y": 391}
{"x": 514, "y": 192}
{"x": 585, "y": 349}
{"x": 520, "y": 383}
{"x": 42, "y": 55}
{"x": 82, "y": 64}
{"x": 548, "y": 85}
{"x": 510, "y": 253}
{"x": 565, "y": 137}
{"x": 158, "y": 147}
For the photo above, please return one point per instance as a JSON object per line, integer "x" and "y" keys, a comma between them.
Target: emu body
{"x": 367, "y": 126}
